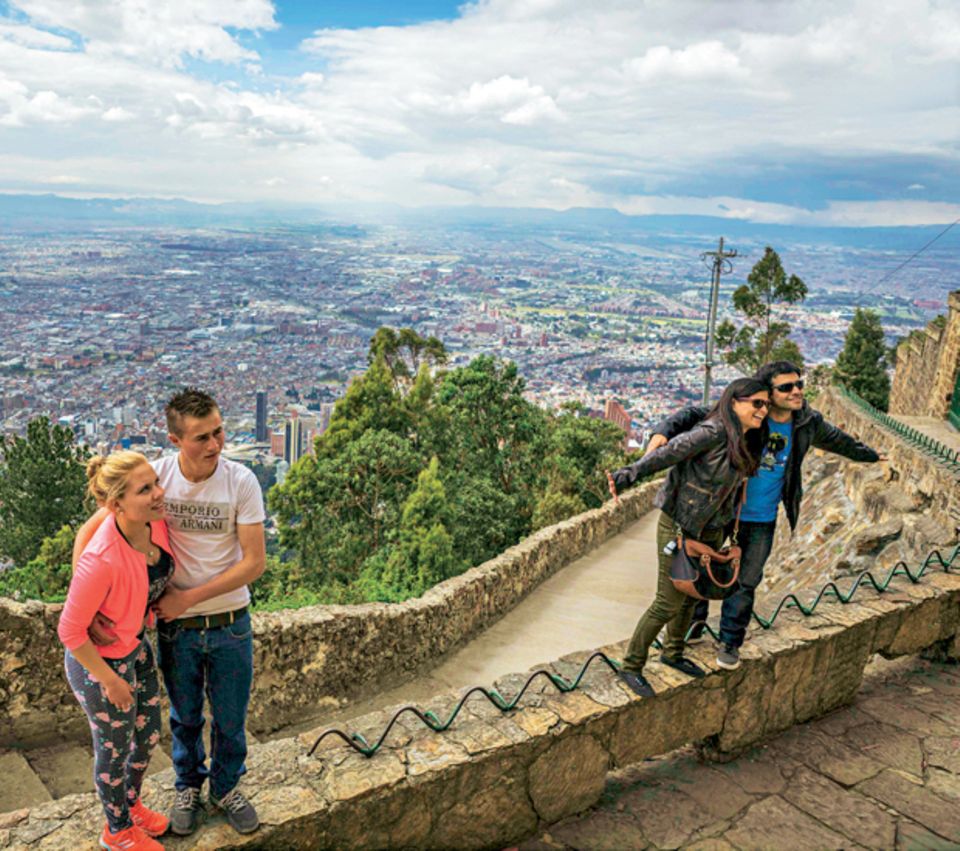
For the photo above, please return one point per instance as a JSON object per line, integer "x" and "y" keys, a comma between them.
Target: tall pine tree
{"x": 862, "y": 365}
{"x": 42, "y": 487}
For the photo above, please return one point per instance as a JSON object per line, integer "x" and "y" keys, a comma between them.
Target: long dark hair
{"x": 743, "y": 449}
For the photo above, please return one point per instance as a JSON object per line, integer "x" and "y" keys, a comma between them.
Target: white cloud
{"x": 530, "y": 102}
{"x": 707, "y": 60}
{"x": 311, "y": 79}
{"x": 162, "y": 32}
{"x": 514, "y": 100}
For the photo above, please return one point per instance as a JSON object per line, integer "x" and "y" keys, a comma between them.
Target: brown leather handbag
{"x": 704, "y": 573}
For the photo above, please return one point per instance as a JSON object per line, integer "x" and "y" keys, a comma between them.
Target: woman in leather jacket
{"x": 708, "y": 466}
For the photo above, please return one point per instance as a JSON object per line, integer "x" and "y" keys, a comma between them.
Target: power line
{"x": 910, "y": 259}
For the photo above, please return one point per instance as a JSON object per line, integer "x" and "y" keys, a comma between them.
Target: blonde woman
{"x": 121, "y": 572}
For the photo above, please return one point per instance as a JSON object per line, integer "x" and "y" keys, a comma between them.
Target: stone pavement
{"x": 882, "y": 773}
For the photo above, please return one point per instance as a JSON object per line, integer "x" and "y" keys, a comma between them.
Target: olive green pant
{"x": 670, "y": 606}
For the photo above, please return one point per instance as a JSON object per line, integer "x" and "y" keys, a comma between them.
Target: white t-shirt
{"x": 202, "y": 518}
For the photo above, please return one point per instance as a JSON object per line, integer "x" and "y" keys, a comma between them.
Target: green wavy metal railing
{"x": 926, "y": 444}
{"x": 360, "y": 744}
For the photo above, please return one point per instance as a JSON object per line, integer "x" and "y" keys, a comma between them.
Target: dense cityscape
{"x": 101, "y": 325}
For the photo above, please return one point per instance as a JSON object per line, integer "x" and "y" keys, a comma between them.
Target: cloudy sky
{"x": 834, "y": 112}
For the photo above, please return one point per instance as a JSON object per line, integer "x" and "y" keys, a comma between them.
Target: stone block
{"x": 920, "y": 627}
{"x": 493, "y": 816}
{"x": 855, "y": 816}
{"x": 921, "y": 805}
{"x": 600, "y": 832}
{"x": 775, "y": 823}
{"x": 21, "y": 786}
{"x": 657, "y": 725}
{"x": 568, "y": 778}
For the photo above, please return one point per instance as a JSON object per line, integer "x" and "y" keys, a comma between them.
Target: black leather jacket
{"x": 702, "y": 487}
{"x": 809, "y": 429}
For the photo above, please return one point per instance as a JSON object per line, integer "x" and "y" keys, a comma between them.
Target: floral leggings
{"x": 122, "y": 741}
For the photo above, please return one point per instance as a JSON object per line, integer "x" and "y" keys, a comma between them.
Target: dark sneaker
{"x": 685, "y": 666}
{"x": 638, "y": 683}
{"x": 240, "y": 812}
{"x": 185, "y": 815}
{"x": 728, "y": 657}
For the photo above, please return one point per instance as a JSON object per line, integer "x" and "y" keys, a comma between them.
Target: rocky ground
{"x": 882, "y": 773}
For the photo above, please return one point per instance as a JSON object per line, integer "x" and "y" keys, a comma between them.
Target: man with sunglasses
{"x": 793, "y": 427}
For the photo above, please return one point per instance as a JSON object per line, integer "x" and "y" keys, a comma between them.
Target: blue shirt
{"x": 765, "y": 488}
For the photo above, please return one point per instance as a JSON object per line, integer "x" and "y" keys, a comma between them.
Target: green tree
{"x": 862, "y": 365}
{"x": 46, "y": 577}
{"x": 371, "y": 402}
{"x": 42, "y": 487}
{"x": 424, "y": 553}
{"x": 762, "y": 338}
{"x": 579, "y": 449}
{"x": 405, "y": 352}
{"x": 334, "y": 512}
{"x": 491, "y": 428}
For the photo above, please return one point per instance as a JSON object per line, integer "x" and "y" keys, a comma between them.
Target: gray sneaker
{"x": 185, "y": 815}
{"x": 728, "y": 657}
{"x": 240, "y": 812}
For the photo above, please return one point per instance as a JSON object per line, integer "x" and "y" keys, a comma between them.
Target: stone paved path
{"x": 882, "y": 773}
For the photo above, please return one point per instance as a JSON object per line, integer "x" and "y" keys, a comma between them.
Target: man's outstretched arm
{"x": 680, "y": 422}
{"x": 833, "y": 439}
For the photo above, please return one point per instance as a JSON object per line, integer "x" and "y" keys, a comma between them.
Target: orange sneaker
{"x": 149, "y": 821}
{"x": 131, "y": 839}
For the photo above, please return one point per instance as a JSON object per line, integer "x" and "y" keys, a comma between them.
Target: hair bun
{"x": 94, "y": 465}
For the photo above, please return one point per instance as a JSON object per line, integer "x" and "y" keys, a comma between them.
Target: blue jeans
{"x": 756, "y": 541}
{"x": 218, "y": 662}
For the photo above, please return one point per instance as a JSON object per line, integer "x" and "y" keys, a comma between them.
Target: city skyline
{"x": 823, "y": 114}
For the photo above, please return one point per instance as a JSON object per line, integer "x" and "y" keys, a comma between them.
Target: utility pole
{"x": 721, "y": 266}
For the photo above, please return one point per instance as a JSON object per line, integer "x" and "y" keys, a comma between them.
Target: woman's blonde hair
{"x": 107, "y": 476}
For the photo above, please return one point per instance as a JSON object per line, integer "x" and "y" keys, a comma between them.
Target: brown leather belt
{"x": 210, "y": 621}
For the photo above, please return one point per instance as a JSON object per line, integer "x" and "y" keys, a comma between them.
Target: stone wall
{"x": 909, "y": 481}
{"x": 493, "y": 779}
{"x": 319, "y": 655}
{"x": 927, "y": 363}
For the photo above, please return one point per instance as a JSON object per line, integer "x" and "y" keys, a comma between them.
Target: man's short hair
{"x": 769, "y": 371}
{"x": 189, "y": 402}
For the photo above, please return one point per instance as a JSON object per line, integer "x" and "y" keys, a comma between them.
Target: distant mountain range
{"x": 55, "y": 212}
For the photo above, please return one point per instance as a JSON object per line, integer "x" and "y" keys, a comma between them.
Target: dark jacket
{"x": 809, "y": 429}
{"x": 702, "y": 487}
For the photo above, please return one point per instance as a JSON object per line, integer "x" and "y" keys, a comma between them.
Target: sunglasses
{"x": 788, "y": 386}
{"x": 757, "y": 403}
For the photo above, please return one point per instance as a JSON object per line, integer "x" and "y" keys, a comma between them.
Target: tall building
{"x": 616, "y": 413}
{"x": 261, "y": 416}
{"x": 292, "y": 440}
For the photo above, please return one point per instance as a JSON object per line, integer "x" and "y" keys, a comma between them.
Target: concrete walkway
{"x": 882, "y": 773}
{"x": 938, "y": 429}
{"x": 594, "y": 601}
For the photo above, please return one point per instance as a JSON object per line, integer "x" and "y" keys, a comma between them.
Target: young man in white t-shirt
{"x": 214, "y": 511}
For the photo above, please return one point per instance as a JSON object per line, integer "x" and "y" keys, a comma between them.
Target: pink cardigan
{"x": 111, "y": 578}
